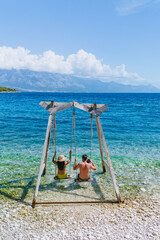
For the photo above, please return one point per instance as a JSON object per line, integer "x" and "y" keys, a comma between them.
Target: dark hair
{"x": 60, "y": 165}
{"x": 84, "y": 157}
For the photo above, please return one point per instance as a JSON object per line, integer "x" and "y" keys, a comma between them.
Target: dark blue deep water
{"x": 131, "y": 126}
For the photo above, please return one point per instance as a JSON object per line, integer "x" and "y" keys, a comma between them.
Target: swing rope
{"x": 75, "y": 138}
{"x": 54, "y": 131}
{"x": 91, "y": 136}
{"x": 75, "y": 135}
{"x": 54, "y": 139}
{"x": 73, "y": 130}
{"x": 91, "y": 141}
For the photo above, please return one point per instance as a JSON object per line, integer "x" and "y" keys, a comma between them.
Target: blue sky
{"x": 112, "y": 40}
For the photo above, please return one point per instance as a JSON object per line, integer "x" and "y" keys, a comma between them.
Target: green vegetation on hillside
{"x": 4, "y": 89}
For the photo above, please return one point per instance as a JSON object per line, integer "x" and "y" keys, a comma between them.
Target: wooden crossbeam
{"x": 60, "y": 106}
{"x": 57, "y": 104}
{"x": 101, "y": 109}
{"x": 45, "y": 105}
{"x": 81, "y": 106}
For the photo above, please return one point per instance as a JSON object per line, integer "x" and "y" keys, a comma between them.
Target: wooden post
{"x": 42, "y": 164}
{"x": 100, "y": 146}
{"x": 99, "y": 139}
{"x": 46, "y": 156}
{"x": 48, "y": 140}
{"x": 109, "y": 161}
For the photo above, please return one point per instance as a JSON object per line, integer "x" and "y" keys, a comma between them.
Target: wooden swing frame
{"x": 94, "y": 109}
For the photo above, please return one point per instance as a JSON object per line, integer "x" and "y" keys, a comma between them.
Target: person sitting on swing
{"x": 84, "y": 167}
{"x": 61, "y": 164}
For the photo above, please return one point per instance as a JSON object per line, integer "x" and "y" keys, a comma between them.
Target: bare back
{"x": 84, "y": 169}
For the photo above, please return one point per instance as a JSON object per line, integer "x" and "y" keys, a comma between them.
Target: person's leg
{"x": 77, "y": 178}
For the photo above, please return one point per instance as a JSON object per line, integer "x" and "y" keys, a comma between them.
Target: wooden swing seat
{"x": 68, "y": 177}
{"x": 83, "y": 180}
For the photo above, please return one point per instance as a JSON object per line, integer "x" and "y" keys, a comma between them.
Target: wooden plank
{"x": 92, "y": 105}
{"x": 61, "y": 108}
{"x": 81, "y": 106}
{"x": 91, "y": 108}
{"x": 102, "y": 109}
{"x": 41, "y": 168}
{"x": 57, "y": 104}
{"x": 79, "y": 202}
{"x": 87, "y": 107}
{"x": 48, "y": 105}
{"x": 100, "y": 146}
{"x": 45, "y": 105}
{"x": 109, "y": 161}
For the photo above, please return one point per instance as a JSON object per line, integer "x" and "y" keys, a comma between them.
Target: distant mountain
{"x": 26, "y": 80}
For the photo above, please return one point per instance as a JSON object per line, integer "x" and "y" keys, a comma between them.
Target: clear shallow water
{"x": 131, "y": 126}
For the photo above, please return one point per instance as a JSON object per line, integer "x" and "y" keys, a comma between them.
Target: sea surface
{"x": 131, "y": 127}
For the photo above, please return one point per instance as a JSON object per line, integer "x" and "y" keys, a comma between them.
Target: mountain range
{"x": 27, "y": 80}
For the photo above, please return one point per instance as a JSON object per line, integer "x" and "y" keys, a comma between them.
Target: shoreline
{"x": 10, "y": 92}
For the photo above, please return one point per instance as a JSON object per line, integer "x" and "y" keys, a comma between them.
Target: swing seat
{"x": 62, "y": 178}
{"x": 84, "y": 180}
{"x": 78, "y": 179}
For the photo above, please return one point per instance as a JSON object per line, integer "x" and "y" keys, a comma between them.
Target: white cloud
{"x": 21, "y": 58}
{"x": 81, "y": 63}
{"x": 126, "y": 7}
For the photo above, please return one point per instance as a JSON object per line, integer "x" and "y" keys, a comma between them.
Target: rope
{"x": 72, "y": 136}
{"x": 54, "y": 139}
{"x": 75, "y": 139}
{"x": 91, "y": 136}
{"x": 75, "y": 136}
{"x": 54, "y": 131}
{"x": 73, "y": 129}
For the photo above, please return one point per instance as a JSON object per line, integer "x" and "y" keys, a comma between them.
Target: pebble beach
{"x": 135, "y": 219}
{"x": 138, "y": 217}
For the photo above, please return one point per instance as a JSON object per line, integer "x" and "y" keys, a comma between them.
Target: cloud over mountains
{"x": 81, "y": 64}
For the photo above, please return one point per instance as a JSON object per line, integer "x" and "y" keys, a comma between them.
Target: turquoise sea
{"x": 131, "y": 126}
